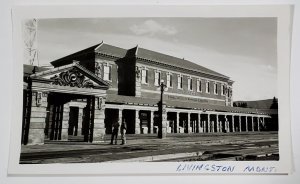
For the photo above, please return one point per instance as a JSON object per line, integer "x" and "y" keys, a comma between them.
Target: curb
{"x": 159, "y": 157}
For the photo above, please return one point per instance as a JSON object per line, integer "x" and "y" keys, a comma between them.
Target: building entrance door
{"x": 73, "y": 121}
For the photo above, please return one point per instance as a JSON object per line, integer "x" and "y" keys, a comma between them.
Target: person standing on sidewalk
{"x": 114, "y": 135}
{"x": 123, "y": 132}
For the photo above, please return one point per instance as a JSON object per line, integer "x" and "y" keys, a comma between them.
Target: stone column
{"x": 218, "y": 123}
{"x": 252, "y": 123}
{"x": 65, "y": 122}
{"x": 246, "y": 123}
{"x": 232, "y": 123}
{"x": 240, "y": 123}
{"x": 177, "y": 122}
{"x": 80, "y": 114}
{"x": 120, "y": 120}
{"x": 37, "y": 118}
{"x": 189, "y": 122}
{"x": 208, "y": 122}
{"x": 258, "y": 122}
{"x": 151, "y": 121}
{"x": 227, "y": 124}
{"x": 99, "y": 116}
{"x": 137, "y": 122}
{"x": 199, "y": 124}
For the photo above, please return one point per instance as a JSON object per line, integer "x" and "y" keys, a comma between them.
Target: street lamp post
{"x": 162, "y": 127}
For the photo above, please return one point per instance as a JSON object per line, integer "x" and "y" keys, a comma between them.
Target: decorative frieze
{"x": 72, "y": 78}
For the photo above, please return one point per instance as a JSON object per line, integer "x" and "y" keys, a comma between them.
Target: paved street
{"x": 176, "y": 147}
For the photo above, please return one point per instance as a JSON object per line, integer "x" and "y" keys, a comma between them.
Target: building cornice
{"x": 108, "y": 55}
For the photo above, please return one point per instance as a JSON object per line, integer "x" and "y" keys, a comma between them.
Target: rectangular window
{"x": 169, "y": 80}
{"x": 144, "y": 76}
{"x": 190, "y": 84}
{"x": 157, "y": 78}
{"x": 216, "y": 88}
{"x": 107, "y": 72}
{"x": 199, "y": 87}
{"x": 222, "y": 89}
{"x": 179, "y": 83}
{"x": 207, "y": 87}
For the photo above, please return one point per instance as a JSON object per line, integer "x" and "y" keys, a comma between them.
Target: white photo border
{"x": 283, "y": 14}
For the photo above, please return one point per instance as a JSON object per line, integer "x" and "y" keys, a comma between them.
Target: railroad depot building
{"x": 86, "y": 92}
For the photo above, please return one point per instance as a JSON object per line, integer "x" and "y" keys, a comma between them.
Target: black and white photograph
{"x": 149, "y": 89}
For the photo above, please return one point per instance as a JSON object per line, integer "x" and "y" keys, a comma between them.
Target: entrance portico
{"x": 54, "y": 95}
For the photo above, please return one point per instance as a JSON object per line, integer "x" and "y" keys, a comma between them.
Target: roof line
{"x": 53, "y": 70}
{"x": 74, "y": 64}
{"x": 89, "y": 72}
{"x": 223, "y": 76}
{"x": 99, "y": 45}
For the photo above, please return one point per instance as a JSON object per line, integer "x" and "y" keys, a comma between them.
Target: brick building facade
{"x": 124, "y": 85}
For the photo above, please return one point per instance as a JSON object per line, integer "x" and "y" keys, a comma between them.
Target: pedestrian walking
{"x": 123, "y": 132}
{"x": 114, "y": 135}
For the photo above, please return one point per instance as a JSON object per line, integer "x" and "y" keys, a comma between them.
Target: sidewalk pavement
{"x": 145, "y": 147}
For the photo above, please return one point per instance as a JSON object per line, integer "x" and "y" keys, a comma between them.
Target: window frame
{"x": 199, "y": 85}
{"x": 223, "y": 89}
{"x": 159, "y": 77}
{"x": 146, "y": 77}
{"x": 179, "y": 76}
{"x": 109, "y": 72}
{"x": 190, "y": 83}
{"x": 169, "y": 80}
{"x": 207, "y": 87}
{"x": 215, "y": 88}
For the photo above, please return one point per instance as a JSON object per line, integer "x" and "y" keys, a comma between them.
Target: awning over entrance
{"x": 130, "y": 100}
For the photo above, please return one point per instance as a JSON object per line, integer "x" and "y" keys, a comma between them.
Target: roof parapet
{"x": 102, "y": 42}
{"x": 136, "y": 51}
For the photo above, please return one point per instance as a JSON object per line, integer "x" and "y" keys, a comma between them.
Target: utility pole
{"x": 162, "y": 126}
{"x": 30, "y": 41}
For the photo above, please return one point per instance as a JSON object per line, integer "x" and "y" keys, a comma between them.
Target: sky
{"x": 242, "y": 48}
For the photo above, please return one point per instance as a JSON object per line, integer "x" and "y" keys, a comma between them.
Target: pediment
{"x": 72, "y": 75}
